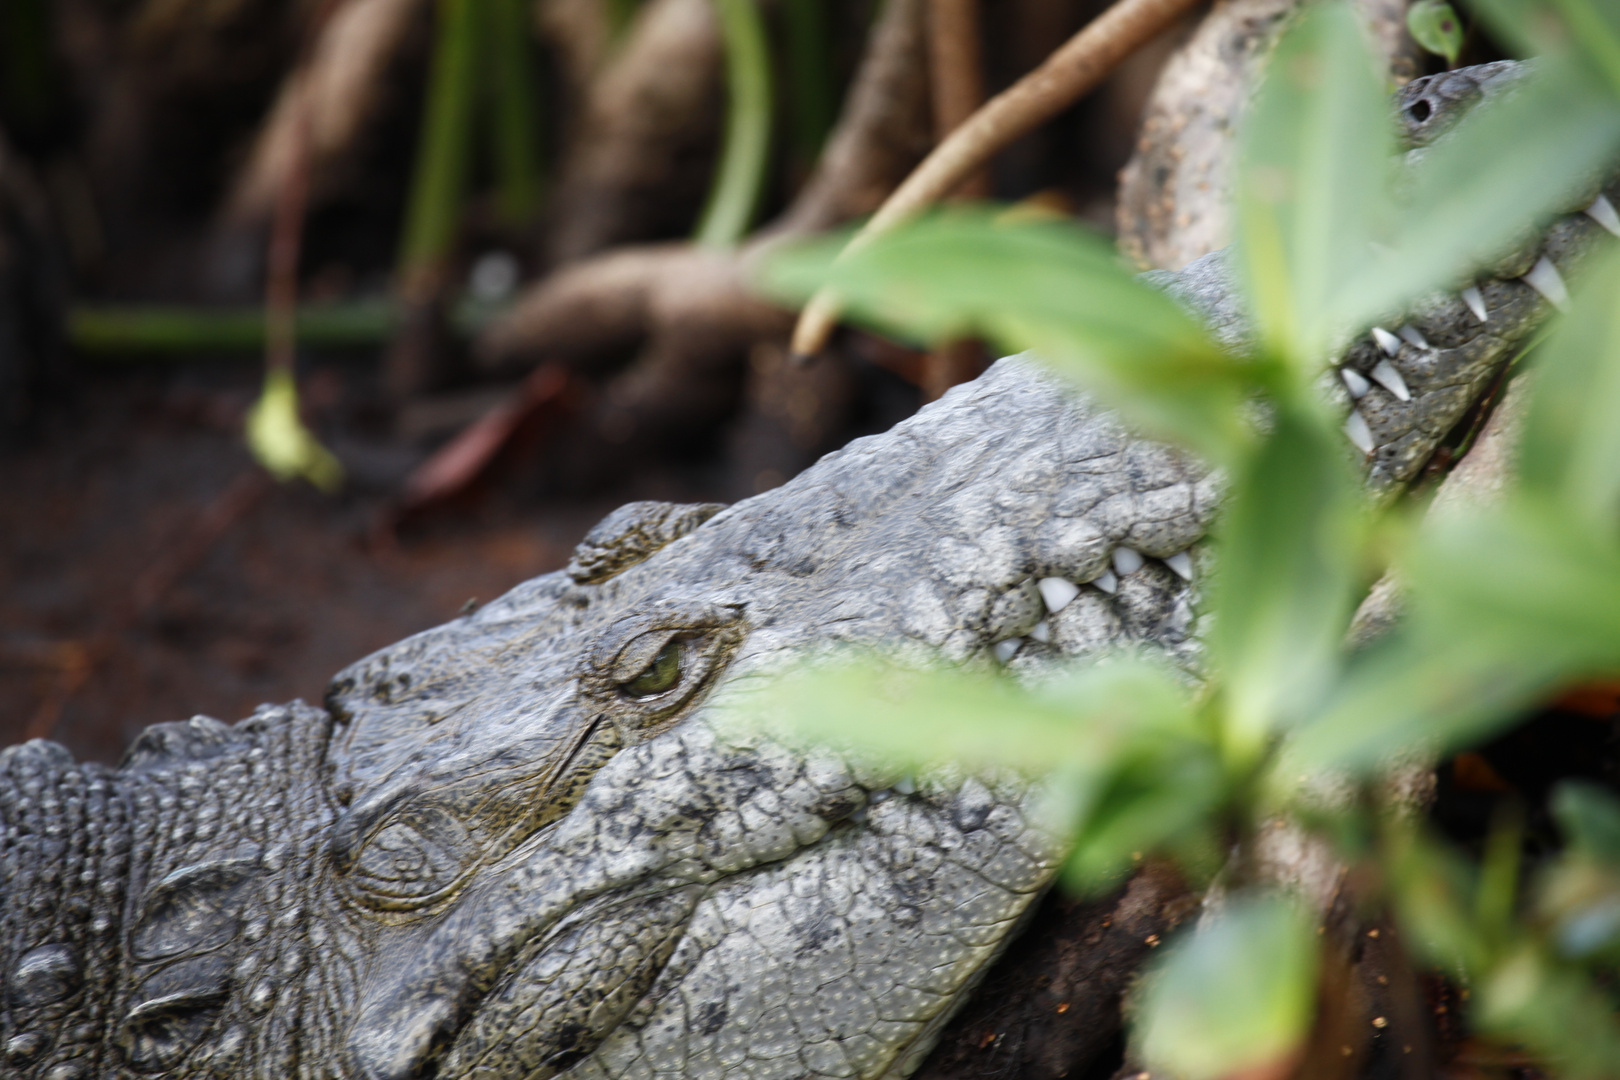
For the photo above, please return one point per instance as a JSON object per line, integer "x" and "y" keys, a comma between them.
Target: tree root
{"x": 668, "y": 330}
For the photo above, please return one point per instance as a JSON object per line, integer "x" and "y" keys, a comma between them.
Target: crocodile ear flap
{"x": 631, "y": 534}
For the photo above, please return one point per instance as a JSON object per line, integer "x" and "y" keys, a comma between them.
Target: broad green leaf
{"x": 1409, "y": 695}
{"x": 282, "y": 444}
{"x": 1517, "y": 582}
{"x": 916, "y": 717}
{"x": 1434, "y": 25}
{"x": 1503, "y": 606}
{"x": 1503, "y": 170}
{"x": 1288, "y": 544}
{"x": 1589, "y": 30}
{"x": 1238, "y": 993}
{"x": 1312, "y": 180}
{"x": 1571, "y": 443}
{"x": 1045, "y": 286}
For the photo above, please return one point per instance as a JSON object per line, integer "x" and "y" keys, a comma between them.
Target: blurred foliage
{"x": 282, "y": 444}
{"x": 1505, "y": 603}
{"x": 1434, "y": 25}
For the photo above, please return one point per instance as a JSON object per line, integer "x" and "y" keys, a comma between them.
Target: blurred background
{"x": 504, "y": 246}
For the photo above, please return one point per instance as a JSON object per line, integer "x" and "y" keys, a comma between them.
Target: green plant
{"x": 1505, "y": 604}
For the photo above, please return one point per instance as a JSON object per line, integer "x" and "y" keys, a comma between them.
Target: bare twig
{"x": 1074, "y": 69}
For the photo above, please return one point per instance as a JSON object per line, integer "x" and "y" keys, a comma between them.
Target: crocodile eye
{"x": 660, "y": 675}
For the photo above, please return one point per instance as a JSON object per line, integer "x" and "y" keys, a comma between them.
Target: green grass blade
{"x": 439, "y": 182}
{"x": 516, "y": 127}
{"x": 740, "y": 178}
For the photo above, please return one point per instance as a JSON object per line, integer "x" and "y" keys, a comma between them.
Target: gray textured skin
{"x": 515, "y": 845}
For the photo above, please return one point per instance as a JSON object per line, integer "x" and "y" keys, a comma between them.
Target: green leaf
{"x": 1434, "y": 25}
{"x": 1432, "y": 888}
{"x": 280, "y": 441}
{"x": 1503, "y": 606}
{"x": 1312, "y": 180}
{"x": 1045, "y": 286}
{"x": 1503, "y": 170}
{"x": 1288, "y": 545}
{"x": 1161, "y": 798}
{"x": 1590, "y": 31}
{"x": 1571, "y": 443}
{"x": 910, "y": 717}
{"x": 1590, "y": 819}
{"x": 1237, "y": 994}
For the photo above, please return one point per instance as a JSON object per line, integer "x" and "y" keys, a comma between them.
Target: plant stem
{"x": 809, "y": 60}
{"x": 1075, "y": 68}
{"x": 741, "y": 173}
{"x": 124, "y": 330}
{"x": 515, "y": 127}
{"x": 438, "y": 185}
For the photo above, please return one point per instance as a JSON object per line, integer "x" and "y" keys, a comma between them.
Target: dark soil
{"x": 126, "y": 486}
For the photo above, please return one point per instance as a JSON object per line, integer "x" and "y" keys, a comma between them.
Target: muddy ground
{"x": 149, "y": 571}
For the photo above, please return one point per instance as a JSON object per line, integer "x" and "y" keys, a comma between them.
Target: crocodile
{"x": 522, "y": 844}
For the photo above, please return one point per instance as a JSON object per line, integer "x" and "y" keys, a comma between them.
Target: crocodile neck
{"x": 156, "y": 913}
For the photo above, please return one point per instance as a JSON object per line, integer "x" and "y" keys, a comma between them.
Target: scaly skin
{"x": 519, "y": 844}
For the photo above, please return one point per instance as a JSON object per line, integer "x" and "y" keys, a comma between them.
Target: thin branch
{"x": 1074, "y": 69}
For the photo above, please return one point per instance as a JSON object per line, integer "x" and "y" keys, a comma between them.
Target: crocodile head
{"x": 544, "y": 855}
{"x": 519, "y": 844}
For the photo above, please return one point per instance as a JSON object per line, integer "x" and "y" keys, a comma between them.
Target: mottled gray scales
{"x": 522, "y": 845}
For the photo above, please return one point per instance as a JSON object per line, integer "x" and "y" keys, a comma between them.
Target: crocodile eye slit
{"x": 659, "y": 676}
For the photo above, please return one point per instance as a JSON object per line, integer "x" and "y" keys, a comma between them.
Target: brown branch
{"x": 1078, "y": 66}
{"x": 956, "y": 75}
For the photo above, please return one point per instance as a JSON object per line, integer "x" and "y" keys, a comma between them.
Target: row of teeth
{"x": 1057, "y": 593}
{"x": 1542, "y": 277}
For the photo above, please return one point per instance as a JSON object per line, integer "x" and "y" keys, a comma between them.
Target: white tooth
{"x": 907, "y": 785}
{"x": 1546, "y": 280}
{"x": 1413, "y": 336}
{"x": 1182, "y": 564}
{"x": 1355, "y": 382}
{"x": 1386, "y": 341}
{"x": 1127, "y": 561}
{"x": 1360, "y": 434}
{"x": 1476, "y": 303}
{"x": 1042, "y": 632}
{"x": 1005, "y": 651}
{"x": 1602, "y": 212}
{"x": 1107, "y": 582}
{"x": 1057, "y": 592}
{"x": 1390, "y": 379}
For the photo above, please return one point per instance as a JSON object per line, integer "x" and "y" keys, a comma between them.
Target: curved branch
{"x": 1074, "y": 69}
